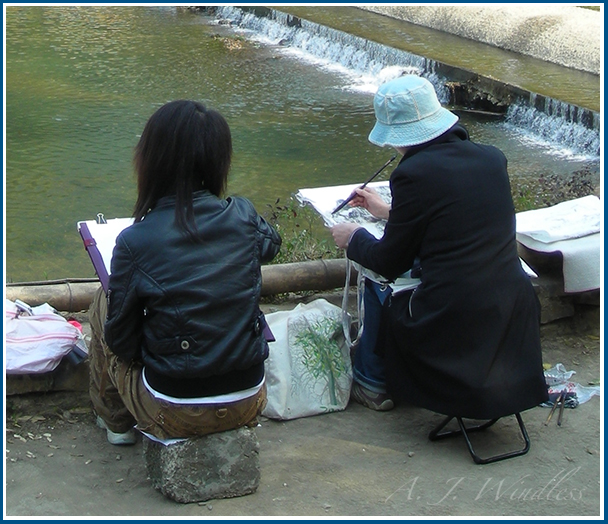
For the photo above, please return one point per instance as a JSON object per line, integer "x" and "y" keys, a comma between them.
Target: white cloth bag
{"x": 308, "y": 371}
{"x": 37, "y": 338}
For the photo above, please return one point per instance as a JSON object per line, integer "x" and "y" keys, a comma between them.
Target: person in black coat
{"x": 466, "y": 341}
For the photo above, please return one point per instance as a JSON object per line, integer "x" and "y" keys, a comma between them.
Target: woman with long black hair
{"x": 178, "y": 344}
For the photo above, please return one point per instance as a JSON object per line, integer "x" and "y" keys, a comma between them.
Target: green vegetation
{"x": 303, "y": 233}
{"x": 306, "y": 238}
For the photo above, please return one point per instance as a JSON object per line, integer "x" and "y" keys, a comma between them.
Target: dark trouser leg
{"x": 368, "y": 368}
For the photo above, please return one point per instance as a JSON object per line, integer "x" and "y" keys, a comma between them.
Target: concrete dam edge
{"x": 565, "y": 35}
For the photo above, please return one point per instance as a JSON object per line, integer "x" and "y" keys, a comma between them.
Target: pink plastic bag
{"x": 37, "y": 338}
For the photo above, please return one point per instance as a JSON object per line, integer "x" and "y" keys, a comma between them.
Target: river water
{"x": 82, "y": 81}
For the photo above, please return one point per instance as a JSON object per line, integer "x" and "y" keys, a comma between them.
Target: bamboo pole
{"x": 312, "y": 275}
{"x": 63, "y": 296}
{"x": 77, "y": 295}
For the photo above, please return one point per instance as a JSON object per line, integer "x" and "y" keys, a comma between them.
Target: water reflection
{"x": 82, "y": 81}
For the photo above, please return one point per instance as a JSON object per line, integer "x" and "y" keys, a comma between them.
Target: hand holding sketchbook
{"x": 325, "y": 200}
{"x": 99, "y": 237}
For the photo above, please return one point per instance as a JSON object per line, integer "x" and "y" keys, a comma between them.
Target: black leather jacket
{"x": 190, "y": 310}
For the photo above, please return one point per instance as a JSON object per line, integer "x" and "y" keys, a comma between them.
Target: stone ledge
{"x": 555, "y": 302}
{"x": 555, "y": 306}
{"x": 65, "y": 377}
{"x": 216, "y": 466}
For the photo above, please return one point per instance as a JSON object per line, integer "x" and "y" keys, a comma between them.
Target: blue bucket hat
{"x": 408, "y": 113}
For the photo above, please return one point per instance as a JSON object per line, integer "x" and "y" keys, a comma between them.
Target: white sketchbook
{"x": 326, "y": 199}
{"x": 99, "y": 237}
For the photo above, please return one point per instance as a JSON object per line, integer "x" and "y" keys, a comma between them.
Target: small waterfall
{"x": 555, "y": 125}
{"x": 367, "y": 63}
{"x": 570, "y": 129}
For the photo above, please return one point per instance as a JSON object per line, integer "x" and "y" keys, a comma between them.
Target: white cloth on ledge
{"x": 565, "y": 221}
{"x": 571, "y": 228}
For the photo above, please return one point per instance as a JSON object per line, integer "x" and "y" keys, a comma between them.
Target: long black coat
{"x": 466, "y": 342}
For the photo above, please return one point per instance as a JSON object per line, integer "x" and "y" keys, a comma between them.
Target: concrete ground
{"x": 352, "y": 463}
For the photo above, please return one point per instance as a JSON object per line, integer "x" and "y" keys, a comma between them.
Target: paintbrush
{"x": 553, "y": 408}
{"x": 561, "y": 408}
{"x": 353, "y": 194}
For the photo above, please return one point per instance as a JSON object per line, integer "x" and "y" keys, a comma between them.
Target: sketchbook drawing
{"x": 325, "y": 199}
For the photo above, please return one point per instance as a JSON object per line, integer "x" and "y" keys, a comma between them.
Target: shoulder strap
{"x": 347, "y": 320}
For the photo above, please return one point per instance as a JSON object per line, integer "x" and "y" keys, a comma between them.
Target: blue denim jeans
{"x": 368, "y": 368}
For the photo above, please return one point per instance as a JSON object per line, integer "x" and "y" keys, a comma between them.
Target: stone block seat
{"x": 215, "y": 466}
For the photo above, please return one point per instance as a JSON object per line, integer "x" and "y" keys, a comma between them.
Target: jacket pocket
{"x": 172, "y": 346}
{"x": 401, "y": 304}
{"x": 262, "y": 329}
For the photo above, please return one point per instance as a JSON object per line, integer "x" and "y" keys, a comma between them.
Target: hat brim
{"x": 413, "y": 133}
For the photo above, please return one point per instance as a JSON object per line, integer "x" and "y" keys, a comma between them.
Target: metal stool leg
{"x": 436, "y": 434}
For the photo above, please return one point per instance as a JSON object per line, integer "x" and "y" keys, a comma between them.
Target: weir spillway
{"x": 571, "y": 126}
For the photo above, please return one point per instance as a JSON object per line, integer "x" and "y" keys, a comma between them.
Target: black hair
{"x": 184, "y": 147}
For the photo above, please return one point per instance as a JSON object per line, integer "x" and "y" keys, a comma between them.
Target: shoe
{"x": 371, "y": 399}
{"x": 118, "y": 439}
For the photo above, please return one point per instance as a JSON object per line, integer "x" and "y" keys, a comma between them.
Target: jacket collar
{"x": 170, "y": 199}
{"x": 456, "y": 132}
